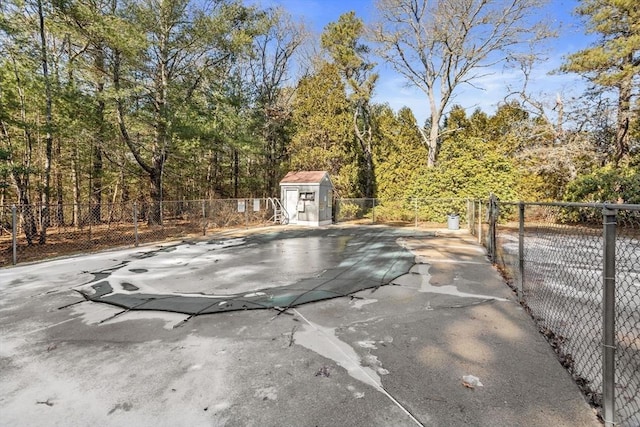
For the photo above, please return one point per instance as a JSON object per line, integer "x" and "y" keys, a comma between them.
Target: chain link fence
{"x": 576, "y": 268}
{"x": 30, "y": 233}
{"x": 42, "y": 232}
{"x": 627, "y": 280}
{"x": 47, "y": 231}
{"x": 406, "y": 212}
{"x": 478, "y": 222}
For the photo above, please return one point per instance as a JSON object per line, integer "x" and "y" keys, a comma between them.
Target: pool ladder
{"x": 280, "y": 214}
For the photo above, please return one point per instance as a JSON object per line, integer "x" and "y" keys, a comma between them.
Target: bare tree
{"x": 439, "y": 46}
{"x": 565, "y": 137}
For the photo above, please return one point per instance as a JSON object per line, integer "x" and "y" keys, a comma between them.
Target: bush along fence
{"x": 29, "y": 233}
{"x": 413, "y": 211}
{"x": 576, "y": 269}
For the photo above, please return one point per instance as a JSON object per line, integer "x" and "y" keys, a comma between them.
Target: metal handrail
{"x": 277, "y": 207}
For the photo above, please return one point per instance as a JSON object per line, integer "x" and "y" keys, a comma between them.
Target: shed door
{"x": 291, "y": 205}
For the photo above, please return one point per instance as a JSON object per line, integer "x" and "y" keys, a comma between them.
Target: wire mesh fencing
{"x": 42, "y": 232}
{"x": 34, "y": 232}
{"x": 406, "y": 212}
{"x": 478, "y": 221}
{"x": 576, "y": 268}
{"x": 627, "y": 317}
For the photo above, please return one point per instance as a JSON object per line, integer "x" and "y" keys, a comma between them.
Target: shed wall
{"x": 314, "y": 206}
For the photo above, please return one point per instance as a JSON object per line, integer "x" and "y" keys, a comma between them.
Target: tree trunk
{"x": 155, "y": 175}
{"x": 236, "y": 172}
{"x": 155, "y": 213}
{"x": 27, "y": 214}
{"x": 154, "y": 171}
{"x": 270, "y": 172}
{"x": 28, "y": 219}
{"x": 210, "y": 171}
{"x": 96, "y": 149}
{"x": 433, "y": 141}
{"x": 96, "y": 184}
{"x": 364, "y": 138}
{"x": 624, "y": 118}
{"x": 369, "y": 189}
{"x": 75, "y": 177}
{"x": 59, "y": 188}
{"x": 125, "y": 188}
{"x": 49, "y": 138}
{"x": 560, "y": 124}
{"x": 20, "y": 175}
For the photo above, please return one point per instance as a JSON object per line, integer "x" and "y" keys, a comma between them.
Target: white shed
{"x": 307, "y": 196}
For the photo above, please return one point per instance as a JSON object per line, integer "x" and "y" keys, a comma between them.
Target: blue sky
{"x": 392, "y": 87}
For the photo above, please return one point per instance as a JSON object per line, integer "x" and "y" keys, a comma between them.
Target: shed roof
{"x": 304, "y": 177}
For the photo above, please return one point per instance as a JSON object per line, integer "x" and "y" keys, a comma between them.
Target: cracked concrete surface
{"x": 391, "y": 355}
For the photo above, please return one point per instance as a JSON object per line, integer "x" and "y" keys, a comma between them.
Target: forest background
{"x": 108, "y": 101}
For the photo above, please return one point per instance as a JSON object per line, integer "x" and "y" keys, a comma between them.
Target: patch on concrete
{"x": 266, "y": 393}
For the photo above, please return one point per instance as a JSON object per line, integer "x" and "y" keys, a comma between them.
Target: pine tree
{"x": 614, "y": 61}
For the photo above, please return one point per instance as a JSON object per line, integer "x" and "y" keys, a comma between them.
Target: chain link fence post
{"x": 135, "y": 223}
{"x": 493, "y": 222}
{"x": 204, "y": 218}
{"x": 14, "y": 233}
{"x": 373, "y": 212}
{"x": 521, "y": 251}
{"x": 472, "y": 216}
{"x": 415, "y": 209}
{"x": 90, "y": 210}
{"x": 608, "y": 315}
{"x": 246, "y": 213}
{"x": 480, "y": 221}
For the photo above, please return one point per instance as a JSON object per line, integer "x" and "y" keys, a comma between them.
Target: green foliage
{"x": 425, "y": 210}
{"x": 5, "y": 168}
{"x": 205, "y": 100}
{"x": 323, "y": 139}
{"x": 607, "y": 184}
{"x": 475, "y": 159}
{"x": 613, "y": 62}
{"x": 348, "y": 211}
{"x": 615, "y": 56}
{"x": 469, "y": 167}
{"x": 342, "y": 40}
{"x": 395, "y": 210}
{"x": 399, "y": 155}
